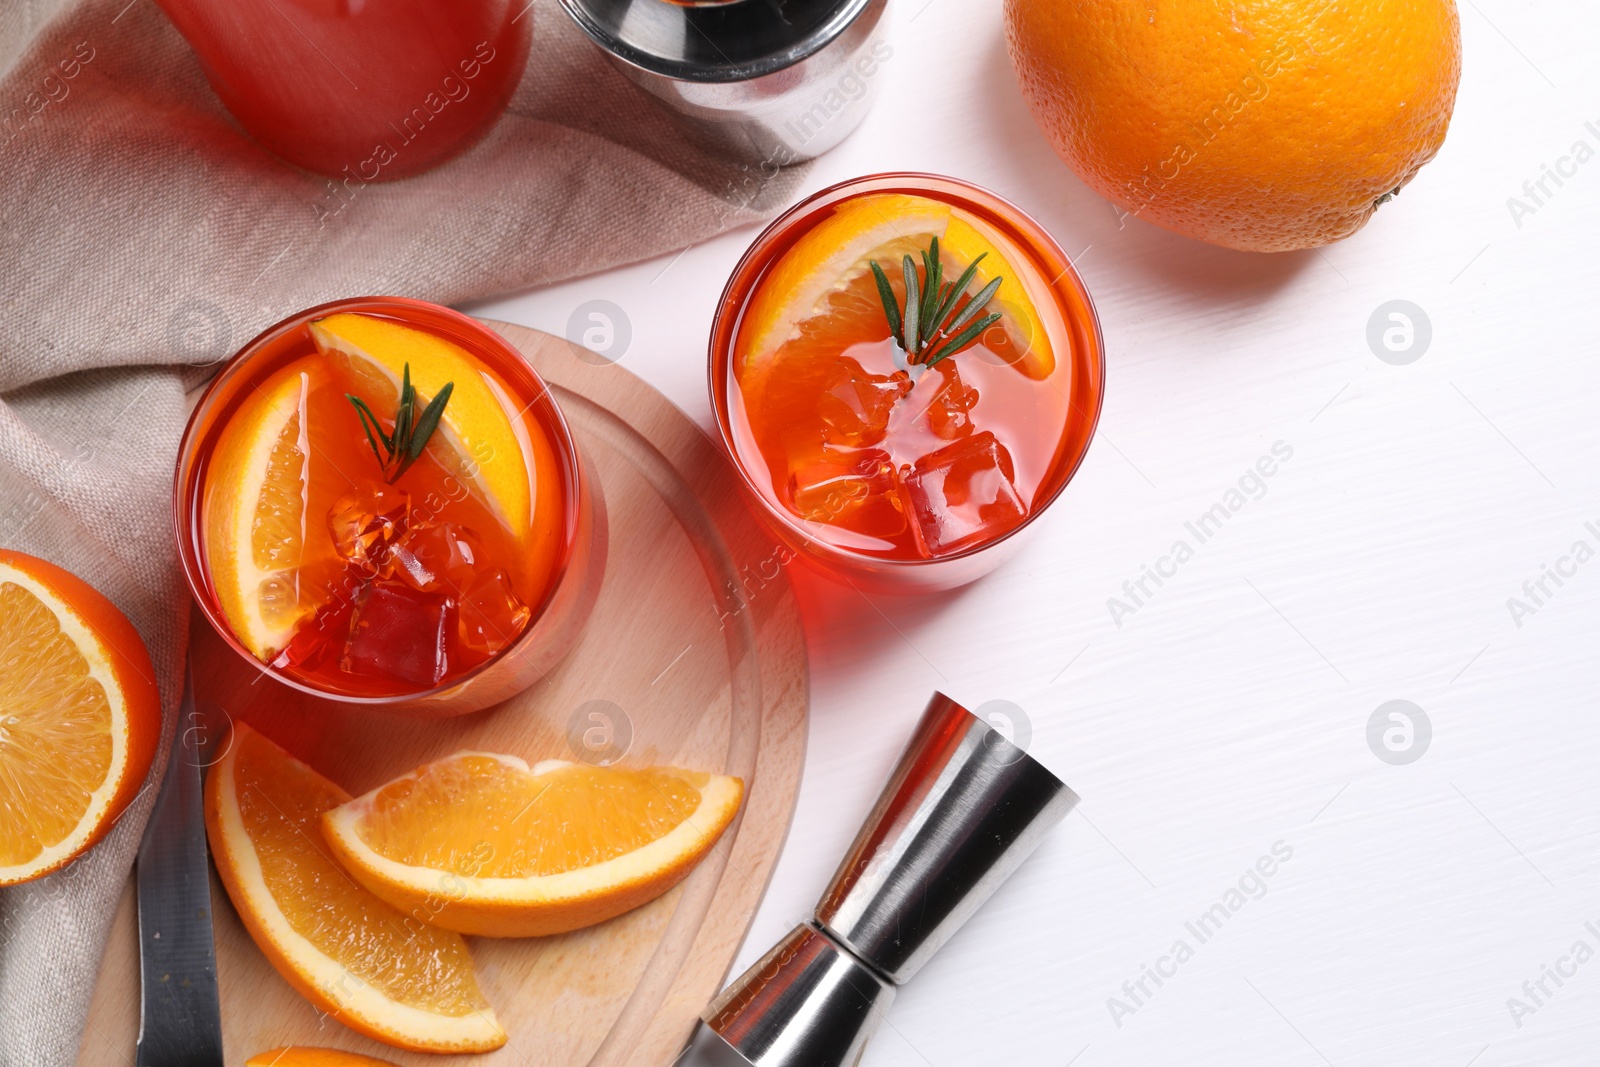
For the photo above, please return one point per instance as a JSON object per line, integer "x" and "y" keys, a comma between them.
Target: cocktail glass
{"x": 562, "y": 546}
{"x": 899, "y": 478}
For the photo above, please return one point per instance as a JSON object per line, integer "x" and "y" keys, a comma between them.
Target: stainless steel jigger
{"x": 962, "y": 810}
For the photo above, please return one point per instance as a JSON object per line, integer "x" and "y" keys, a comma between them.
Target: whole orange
{"x": 1264, "y": 125}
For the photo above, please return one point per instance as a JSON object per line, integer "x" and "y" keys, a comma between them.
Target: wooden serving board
{"x": 695, "y": 638}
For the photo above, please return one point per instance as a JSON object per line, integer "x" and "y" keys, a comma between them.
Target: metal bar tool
{"x": 962, "y": 810}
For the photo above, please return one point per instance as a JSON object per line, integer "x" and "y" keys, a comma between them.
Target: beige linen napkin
{"x": 143, "y": 237}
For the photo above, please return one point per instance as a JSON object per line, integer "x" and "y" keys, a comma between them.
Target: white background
{"x": 1230, "y": 711}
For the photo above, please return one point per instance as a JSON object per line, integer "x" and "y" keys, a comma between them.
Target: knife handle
{"x": 180, "y": 1022}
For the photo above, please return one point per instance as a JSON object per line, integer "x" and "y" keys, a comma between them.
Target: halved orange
{"x": 379, "y": 971}
{"x": 80, "y": 716}
{"x": 491, "y": 846}
{"x": 304, "y": 1056}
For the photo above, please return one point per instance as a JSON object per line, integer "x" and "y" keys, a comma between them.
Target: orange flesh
{"x": 55, "y": 729}
{"x": 281, "y": 802}
{"x": 477, "y": 816}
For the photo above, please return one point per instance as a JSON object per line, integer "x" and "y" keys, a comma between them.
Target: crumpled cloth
{"x": 144, "y": 237}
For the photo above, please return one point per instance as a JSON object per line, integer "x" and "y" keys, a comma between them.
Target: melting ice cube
{"x": 365, "y": 523}
{"x": 855, "y": 490}
{"x": 400, "y": 633}
{"x": 854, "y": 406}
{"x": 950, "y": 410}
{"x": 491, "y": 615}
{"x": 435, "y": 558}
{"x": 962, "y": 495}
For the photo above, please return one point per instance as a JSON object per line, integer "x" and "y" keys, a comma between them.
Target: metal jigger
{"x": 962, "y": 810}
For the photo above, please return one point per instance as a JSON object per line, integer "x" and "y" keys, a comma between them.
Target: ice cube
{"x": 854, "y": 406}
{"x": 491, "y": 614}
{"x": 855, "y": 490}
{"x": 324, "y": 633}
{"x": 950, "y": 410}
{"x": 365, "y": 523}
{"x": 400, "y": 634}
{"x": 938, "y": 409}
{"x": 435, "y": 558}
{"x": 962, "y": 495}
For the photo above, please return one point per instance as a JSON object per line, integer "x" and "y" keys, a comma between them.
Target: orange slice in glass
{"x": 267, "y": 572}
{"x": 481, "y": 440}
{"x": 80, "y": 716}
{"x": 523, "y": 851}
{"x": 379, "y": 971}
{"x": 820, "y": 297}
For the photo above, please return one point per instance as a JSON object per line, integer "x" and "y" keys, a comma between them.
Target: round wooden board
{"x": 695, "y": 638}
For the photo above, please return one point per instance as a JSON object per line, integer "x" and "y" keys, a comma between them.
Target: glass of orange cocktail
{"x": 379, "y": 502}
{"x": 907, "y": 370}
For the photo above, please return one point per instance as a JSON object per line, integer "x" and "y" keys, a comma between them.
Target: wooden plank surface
{"x": 694, "y": 649}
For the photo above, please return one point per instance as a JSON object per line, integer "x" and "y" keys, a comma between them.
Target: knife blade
{"x": 180, "y": 1020}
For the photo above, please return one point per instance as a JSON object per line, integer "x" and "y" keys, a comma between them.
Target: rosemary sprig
{"x": 404, "y": 445}
{"x": 928, "y": 327}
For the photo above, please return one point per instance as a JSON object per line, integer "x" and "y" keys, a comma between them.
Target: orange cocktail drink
{"x": 378, "y": 501}
{"x": 907, "y": 371}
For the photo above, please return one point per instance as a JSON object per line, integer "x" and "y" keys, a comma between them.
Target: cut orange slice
{"x": 522, "y": 851}
{"x": 302, "y": 1056}
{"x": 379, "y": 971}
{"x": 266, "y": 574}
{"x": 820, "y": 297}
{"x": 80, "y": 716}
{"x": 482, "y": 439}
{"x": 1022, "y": 341}
{"x": 832, "y": 255}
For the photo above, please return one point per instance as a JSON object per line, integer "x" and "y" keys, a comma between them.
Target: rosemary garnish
{"x": 930, "y": 328}
{"x": 404, "y": 445}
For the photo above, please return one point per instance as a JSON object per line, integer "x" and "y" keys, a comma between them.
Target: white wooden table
{"x": 1227, "y": 716}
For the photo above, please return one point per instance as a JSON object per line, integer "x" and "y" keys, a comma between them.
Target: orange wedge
{"x": 379, "y": 971}
{"x": 820, "y": 297}
{"x": 1023, "y": 344}
{"x": 266, "y": 575}
{"x": 301, "y": 1056}
{"x": 80, "y": 716}
{"x": 484, "y": 844}
{"x": 482, "y": 439}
